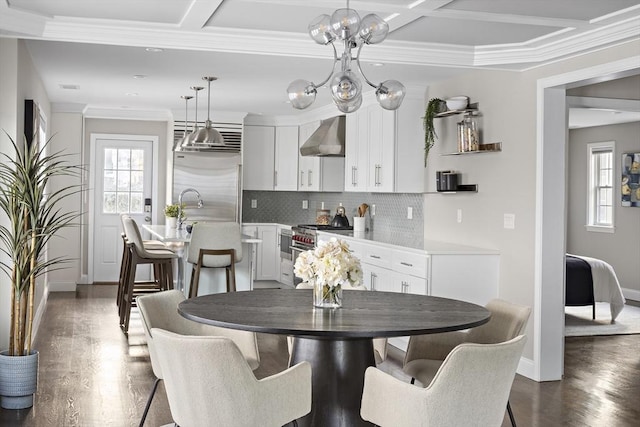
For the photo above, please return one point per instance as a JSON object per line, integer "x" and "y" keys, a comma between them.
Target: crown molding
{"x": 129, "y": 114}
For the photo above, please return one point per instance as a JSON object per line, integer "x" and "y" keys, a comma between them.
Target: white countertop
{"x": 169, "y": 234}
{"x": 410, "y": 241}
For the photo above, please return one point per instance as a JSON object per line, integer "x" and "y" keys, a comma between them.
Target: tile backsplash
{"x": 285, "y": 207}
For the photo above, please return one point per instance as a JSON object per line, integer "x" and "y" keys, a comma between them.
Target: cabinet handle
{"x": 405, "y": 287}
{"x": 285, "y": 274}
{"x": 373, "y": 281}
{"x": 406, "y": 263}
{"x": 374, "y": 256}
{"x": 301, "y": 178}
{"x": 353, "y": 176}
{"x": 309, "y": 177}
{"x": 275, "y": 178}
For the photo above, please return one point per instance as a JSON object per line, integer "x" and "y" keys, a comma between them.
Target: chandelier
{"x": 346, "y": 88}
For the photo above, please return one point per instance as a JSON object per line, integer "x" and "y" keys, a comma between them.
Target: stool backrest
{"x": 215, "y": 235}
{"x": 133, "y": 236}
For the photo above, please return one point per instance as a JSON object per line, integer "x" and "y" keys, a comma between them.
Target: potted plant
{"x": 171, "y": 213}
{"x": 434, "y": 106}
{"x": 35, "y": 214}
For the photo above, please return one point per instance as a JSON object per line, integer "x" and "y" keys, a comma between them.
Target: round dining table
{"x": 336, "y": 342}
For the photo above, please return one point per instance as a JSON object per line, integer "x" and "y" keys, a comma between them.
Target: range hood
{"x": 327, "y": 140}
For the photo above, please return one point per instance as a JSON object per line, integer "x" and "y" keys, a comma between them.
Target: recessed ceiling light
{"x": 69, "y": 87}
{"x": 132, "y": 94}
{"x": 154, "y": 49}
{"x": 377, "y": 64}
{"x": 139, "y": 76}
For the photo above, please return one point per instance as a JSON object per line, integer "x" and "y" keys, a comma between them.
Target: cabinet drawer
{"x": 411, "y": 263}
{"x": 376, "y": 255}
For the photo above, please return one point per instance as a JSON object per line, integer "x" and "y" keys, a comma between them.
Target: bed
{"x": 590, "y": 280}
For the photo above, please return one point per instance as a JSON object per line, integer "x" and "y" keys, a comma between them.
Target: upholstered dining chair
{"x": 379, "y": 344}
{"x": 425, "y": 353}
{"x": 209, "y": 383}
{"x": 138, "y": 254}
{"x": 160, "y": 311}
{"x": 470, "y": 388}
{"x": 214, "y": 245}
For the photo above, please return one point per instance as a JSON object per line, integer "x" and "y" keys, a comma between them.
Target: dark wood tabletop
{"x": 365, "y": 314}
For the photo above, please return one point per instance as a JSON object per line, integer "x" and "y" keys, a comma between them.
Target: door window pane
{"x": 123, "y": 181}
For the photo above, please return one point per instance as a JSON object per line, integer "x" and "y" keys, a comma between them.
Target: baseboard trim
{"x": 631, "y": 294}
{"x": 62, "y": 287}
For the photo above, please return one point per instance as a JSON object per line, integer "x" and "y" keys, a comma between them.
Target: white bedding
{"x": 606, "y": 287}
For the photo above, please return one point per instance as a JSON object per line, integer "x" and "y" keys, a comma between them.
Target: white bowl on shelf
{"x": 457, "y": 102}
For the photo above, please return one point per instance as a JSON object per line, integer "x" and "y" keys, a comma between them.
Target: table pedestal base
{"x": 338, "y": 367}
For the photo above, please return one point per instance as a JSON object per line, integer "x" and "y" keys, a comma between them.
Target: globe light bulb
{"x": 390, "y": 94}
{"x": 349, "y": 106}
{"x": 373, "y": 29}
{"x": 345, "y": 86}
{"x": 345, "y": 23}
{"x": 302, "y": 93}
{"x": 320, "y": 30}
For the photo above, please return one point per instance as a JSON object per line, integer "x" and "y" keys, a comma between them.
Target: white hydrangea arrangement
{"x": 331, "y": 264}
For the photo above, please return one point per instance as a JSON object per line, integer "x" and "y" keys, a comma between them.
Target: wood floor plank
{"x": 91, "y": 374}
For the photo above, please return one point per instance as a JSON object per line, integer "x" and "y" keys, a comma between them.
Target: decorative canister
{"x": 323, "y": 216}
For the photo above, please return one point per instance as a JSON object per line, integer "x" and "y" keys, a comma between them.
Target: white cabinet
{"x": 286, "y": 159}
{"x": 258, "y": 157}
{"x": 318, "y": 173}
{"x": 270, "y": 158}
{"x": 384, "y": 149}
{"x": 267, "y": 257}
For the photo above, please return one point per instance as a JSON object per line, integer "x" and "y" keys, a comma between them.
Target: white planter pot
{"x": 18, "y": 380}
{"x": 171, "y": 222}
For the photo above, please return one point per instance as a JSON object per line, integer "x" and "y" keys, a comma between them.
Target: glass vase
{"x": 325, "y": 296}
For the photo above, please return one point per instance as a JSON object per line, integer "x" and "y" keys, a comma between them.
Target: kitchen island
{"x": 212, "y": 280}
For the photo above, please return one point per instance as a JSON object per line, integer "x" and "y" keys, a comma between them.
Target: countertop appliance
{"x": 340, "y": 220}
{"x": 218, "y": 179}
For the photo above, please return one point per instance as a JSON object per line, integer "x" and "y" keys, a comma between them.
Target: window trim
{"x": 593, "y": 148}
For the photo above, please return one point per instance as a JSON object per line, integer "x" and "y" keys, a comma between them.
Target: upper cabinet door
{"x": 308, "y": 166}
{"x": 286, "y": 158}
{"x": 356, "y": 151}
{"x": 382, "y": 146}
{"x": 258, "y": 151}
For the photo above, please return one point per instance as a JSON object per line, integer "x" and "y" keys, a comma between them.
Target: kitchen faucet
{"x": 182, "y": 193}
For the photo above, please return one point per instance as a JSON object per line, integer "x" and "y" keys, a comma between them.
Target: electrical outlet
{"x": 510, "y": 221}
{"x": 254, "y": 203}
{"x": 459, "y": 216}
{"x": 305, "y": 204}
{"x": 373, "y": 210}
{"x": 409, "y": 212}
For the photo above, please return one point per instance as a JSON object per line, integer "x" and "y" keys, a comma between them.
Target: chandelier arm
{"x": 360, "y": 69}
{"x": 335, "y": 59}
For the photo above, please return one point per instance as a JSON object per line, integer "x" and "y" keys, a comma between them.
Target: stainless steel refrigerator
{"x": 217, "y": 177}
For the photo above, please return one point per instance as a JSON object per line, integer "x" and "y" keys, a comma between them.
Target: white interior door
{"x": 123, "y": 170}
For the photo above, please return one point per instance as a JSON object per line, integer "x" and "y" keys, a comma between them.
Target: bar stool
{"x": 137, "y": 254}
{"x": 214, "y": 245}
{"x": 139, "y": 285}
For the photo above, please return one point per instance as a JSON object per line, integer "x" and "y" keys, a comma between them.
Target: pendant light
{"x": 178, "y": 145}
{"x": 208, "y": 136}
{"x": 187, "y": 143}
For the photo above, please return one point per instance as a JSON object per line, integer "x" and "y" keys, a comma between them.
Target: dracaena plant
{"x": 35, "y": 214}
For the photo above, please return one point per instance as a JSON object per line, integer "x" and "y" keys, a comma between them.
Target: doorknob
{"x": 147, "y": 219}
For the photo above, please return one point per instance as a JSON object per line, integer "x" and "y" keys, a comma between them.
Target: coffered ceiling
{"x": 94, "y": 54}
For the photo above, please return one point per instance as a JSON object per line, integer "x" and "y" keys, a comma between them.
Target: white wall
{"x": 622, "y": 248}
{"x": 18, "y": 82}
{"x": 506, "y": 180}
{"x": 66, "y": 134}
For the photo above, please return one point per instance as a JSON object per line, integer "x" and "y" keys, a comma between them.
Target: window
{"x": 123, "y": 180}
{"x": 600, "y": 190}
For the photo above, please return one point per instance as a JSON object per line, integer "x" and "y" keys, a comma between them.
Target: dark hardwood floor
{"x": 91, "y": 374}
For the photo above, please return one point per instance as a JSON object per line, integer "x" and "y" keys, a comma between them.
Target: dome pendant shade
{"x": 208, "y": 136}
